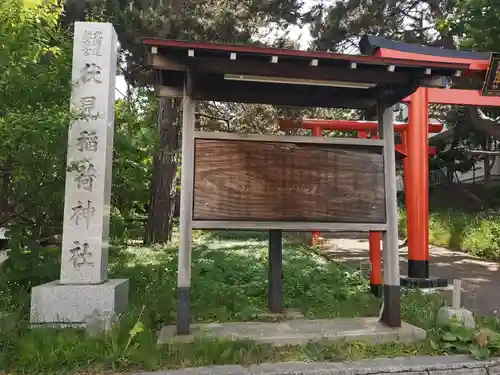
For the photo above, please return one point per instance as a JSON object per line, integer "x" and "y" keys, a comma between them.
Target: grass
{"x": 458, "y": 222}
{"x": 477, "y": 233}
{"x": 229, "y": 284}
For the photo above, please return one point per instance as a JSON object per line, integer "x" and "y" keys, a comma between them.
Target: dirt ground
{"x": 480, "y": 279}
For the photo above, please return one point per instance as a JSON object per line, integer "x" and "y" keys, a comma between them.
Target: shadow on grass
{"x": 225, "y": 235}
{"x": 229, "y": 283}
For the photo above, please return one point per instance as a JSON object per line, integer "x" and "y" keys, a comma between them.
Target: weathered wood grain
{"x": 265, "y": 181}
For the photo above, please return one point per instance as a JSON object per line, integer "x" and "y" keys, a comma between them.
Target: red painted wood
{"x": 473, "y": 64}
{"x": 180, "y": 44}
{"x": 348, "y": 125}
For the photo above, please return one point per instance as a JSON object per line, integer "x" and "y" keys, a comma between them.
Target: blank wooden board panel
{"x": 273, "y": 181}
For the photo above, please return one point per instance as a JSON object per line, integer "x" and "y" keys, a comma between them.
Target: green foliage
{"x": 476, "y": 23}
{"x": 338, "y": 25}
{"x": 470, "y": 229}
{"x": 455, "y": 338}
{"x": 135, "y": 142}
{"x": 34, "y": 98}
{"x": 35, "y": 69}
{"x": 475, "y": 233}
{"x": 229, "y": 284}
{"x": 420, "y": 309}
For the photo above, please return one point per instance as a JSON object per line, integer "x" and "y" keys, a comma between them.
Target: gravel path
{"x": 480, "y": 279}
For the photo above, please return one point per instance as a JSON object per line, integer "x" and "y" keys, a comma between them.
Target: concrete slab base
{"x": 69, "y": 305}
{"x": 300, "y": 331}
{"x": 286, "y": 314}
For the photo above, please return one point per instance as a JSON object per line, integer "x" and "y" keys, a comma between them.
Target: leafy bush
{"x": 481, "y": 343}
{"x": 475, "y": 233}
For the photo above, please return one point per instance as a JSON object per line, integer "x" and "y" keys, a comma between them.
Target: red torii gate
{"x": 484, "y": 65}
{"x": 416, "y": 168}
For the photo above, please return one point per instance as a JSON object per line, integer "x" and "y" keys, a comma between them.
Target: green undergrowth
{"x": 477, "y": 233}
{"x": 229, "y": 284}
{"x": 481, "y": 343}
{"x": 463, "y": 217}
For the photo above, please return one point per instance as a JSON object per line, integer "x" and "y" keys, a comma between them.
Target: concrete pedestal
{"x": 300, "y": 332}
{"x": 72, "y": 304}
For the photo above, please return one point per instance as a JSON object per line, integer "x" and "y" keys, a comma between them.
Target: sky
{"x": 301, "y": 34}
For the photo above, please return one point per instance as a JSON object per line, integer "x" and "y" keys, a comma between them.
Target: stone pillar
{"x": 84, "y": 289}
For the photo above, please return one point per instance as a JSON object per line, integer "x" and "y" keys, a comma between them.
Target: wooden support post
{"x": 186, "y": 208}
{"x": 275, "y": 273}
{"x": 391, "y": 314}
{"x": 316, "y": 236}
{"x": 456, "y": 297}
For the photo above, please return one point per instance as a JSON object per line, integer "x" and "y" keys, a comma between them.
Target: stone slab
{"x": 447, "y": 315}
{"x": 475, "y": 371}
{"x": 425, "y": 365}
{"x": 69, "y": 304}
{"x": 494, "y": 370}
{"x": 300, "y": 331}
{"x": 286, "y": 314}
{"x": 212, "y": 370}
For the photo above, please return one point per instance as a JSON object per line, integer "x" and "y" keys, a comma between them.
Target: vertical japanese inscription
{"x": 92, "y": 42}
{"x": 82, "y": 213}
{"x": 81, "y": 255}
{"x": 91, "y": 72}
{"x": 90, "y": 149}
{"x": 86, "y": 177}
{"x": 87, "y": 141}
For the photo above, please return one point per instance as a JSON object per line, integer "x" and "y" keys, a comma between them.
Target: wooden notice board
{"x": 240, "y": 180}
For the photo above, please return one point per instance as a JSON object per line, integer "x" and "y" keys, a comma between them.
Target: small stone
{"x": 449, "y": 315}
{"x": 99, "y": 324}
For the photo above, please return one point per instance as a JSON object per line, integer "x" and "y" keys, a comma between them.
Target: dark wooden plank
{"x": 376, "y": 74}
{"x": 215, "y": 87}
{"x": 265, "y": 181}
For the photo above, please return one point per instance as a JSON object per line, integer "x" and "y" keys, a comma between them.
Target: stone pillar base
{"x": 71, "y": 304}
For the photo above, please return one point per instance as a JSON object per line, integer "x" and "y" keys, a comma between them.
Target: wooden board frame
{"x": 288, "y": 226}
{"x": 289, "y": 139}
{"x": 298, "y": 226}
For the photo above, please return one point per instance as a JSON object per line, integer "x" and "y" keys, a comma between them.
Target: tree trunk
{"x": 164, "y": 179}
